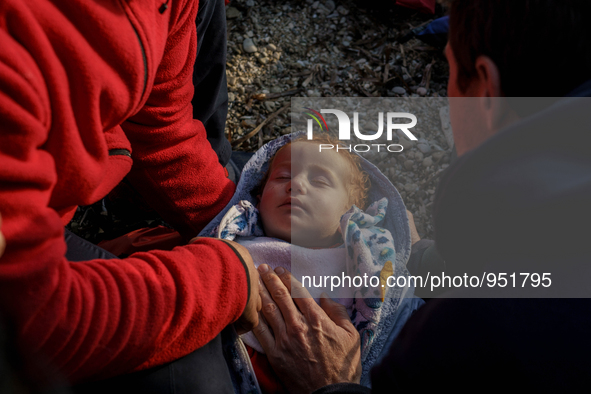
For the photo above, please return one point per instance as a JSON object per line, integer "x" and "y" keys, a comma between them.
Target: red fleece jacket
{"x": 87, "y": 89}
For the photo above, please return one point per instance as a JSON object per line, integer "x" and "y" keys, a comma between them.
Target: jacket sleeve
{"x": 97, "y": 318}
{"x": 175, "y": 167}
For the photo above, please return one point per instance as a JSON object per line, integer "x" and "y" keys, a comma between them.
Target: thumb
{"x": 336, "y": 312}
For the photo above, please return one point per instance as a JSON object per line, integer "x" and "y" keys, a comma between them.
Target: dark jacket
{"x": 518, "y": 203}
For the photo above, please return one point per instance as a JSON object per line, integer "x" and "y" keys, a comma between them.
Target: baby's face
{"x": 305, "y": 196}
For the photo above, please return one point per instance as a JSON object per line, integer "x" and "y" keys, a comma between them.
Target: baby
{"x": 309, "y": 219}
{"x": 306, "y": 192}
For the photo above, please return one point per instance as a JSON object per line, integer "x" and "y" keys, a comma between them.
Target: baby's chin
{"x": 303, "y": 236}
{"x": 308, "y": 239}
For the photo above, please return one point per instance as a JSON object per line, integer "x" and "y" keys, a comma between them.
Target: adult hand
{"x": 308, "y": 346}
{"x": 250, "y": 316}
{"x": 414, "y": 234}
{"x": 2, "y": 241}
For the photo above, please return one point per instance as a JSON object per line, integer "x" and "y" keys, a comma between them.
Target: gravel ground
{"x": 283, "y": 49}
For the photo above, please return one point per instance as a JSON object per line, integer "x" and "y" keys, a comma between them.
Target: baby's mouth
{"x": 293, "y": 203}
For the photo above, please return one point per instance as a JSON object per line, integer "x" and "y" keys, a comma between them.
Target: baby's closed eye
{"x": 321, "y": 181}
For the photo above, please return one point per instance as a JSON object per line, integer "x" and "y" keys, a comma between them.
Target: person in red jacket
{"x": 90, "y": 93}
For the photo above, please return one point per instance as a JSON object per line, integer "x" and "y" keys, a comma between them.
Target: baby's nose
{"x": 298, "y": 186}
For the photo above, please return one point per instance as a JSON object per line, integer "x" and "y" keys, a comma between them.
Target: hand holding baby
{"x": 308, "y": 346}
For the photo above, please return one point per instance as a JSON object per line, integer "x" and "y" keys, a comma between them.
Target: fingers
{"x": 299, "y": 293}
{"x": 279, "y": 292}
{"x": 265, "y": 336}
{"x": 270, "y": 310}
{"x": 337, "y": 313}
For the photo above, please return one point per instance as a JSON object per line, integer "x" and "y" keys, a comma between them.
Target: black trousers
{"x": 210, "y": 101}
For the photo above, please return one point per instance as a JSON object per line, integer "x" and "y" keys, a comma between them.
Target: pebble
{"x": 270, "y": 106}
{"x": 371, "y": 126}
{"x": 271, "y": 47}
{"x": 264, "y": 60}
{"x": 408, "y": 164}
{"x": 276, "y": 89}
{"x": 231, "y": 96}
{"x": 425, "y": 148}
{"x": 286, "y": 130}
{"x": 248, "y": 123}
{"x": 249, "y": 46}
{"x": 322, "y": 10}
{"x": 406, "y": 144}
{"x": 342, "y": 10}
{"x": 232, "y": 80}
{"x": 250, "y": 3}
{"x": 330, "y": 5}
{"x": 422, "y": 91}
{"x": 427, "y": 162}
{"x": 399, "y": 90}
{"x": 438, "y": 155}
{"x": 410, "y": 187}
{"x": 418, "y": 156}
{"x": 232, "y": 13}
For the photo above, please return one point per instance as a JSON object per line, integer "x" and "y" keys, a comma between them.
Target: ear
{"x": 488, "y": 88}
{"x": 488, "y": 79}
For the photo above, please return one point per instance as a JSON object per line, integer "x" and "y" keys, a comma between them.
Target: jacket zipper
{"x": 119, "y": 152}
{"x": 144, "y": 59}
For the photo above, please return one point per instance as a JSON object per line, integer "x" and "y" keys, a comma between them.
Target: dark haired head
{"x": 542, "y": 48}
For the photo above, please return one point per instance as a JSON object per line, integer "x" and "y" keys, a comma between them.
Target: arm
{"x": 97, "y": 318}
{"x": 175, "y": 168}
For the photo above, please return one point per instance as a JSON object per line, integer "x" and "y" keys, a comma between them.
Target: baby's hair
{"x": 359, "y": 183}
